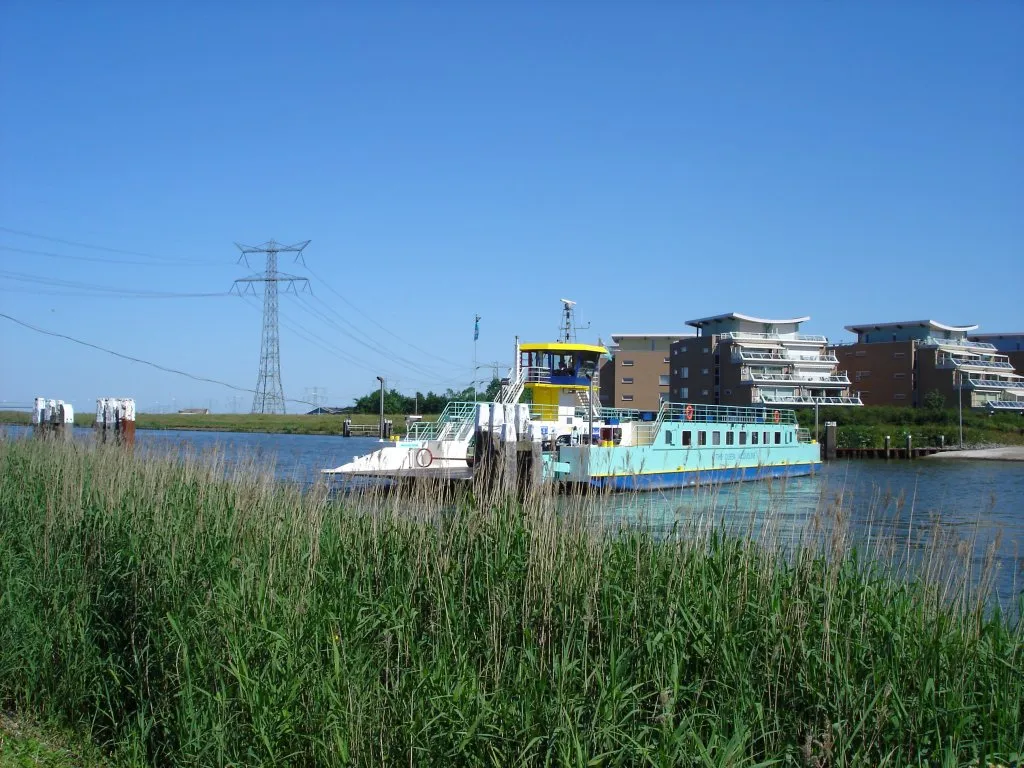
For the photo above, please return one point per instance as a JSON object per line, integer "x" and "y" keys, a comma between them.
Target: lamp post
{"x": 960, "y": 404}
{"x": 381, "y": 430}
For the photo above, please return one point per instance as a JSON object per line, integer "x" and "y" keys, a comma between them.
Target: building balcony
{"x": 931, "y": 341}
{"x": 801, "y": 337}
{"x": 828, "y": 382}
{"x": 1006, "y": 405}
{"x": 778, "y": 358}
{"x": 990, "y": 384}
{"x": 973, "y": 363}
{"x": 808, "y": 400}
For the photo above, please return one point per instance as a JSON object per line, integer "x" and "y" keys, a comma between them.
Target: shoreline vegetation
{"x": 857, "y": 427}
{"x": 178, "y": 612}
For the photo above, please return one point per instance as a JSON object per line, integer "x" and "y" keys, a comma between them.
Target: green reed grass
{"x": 182, "y": 618}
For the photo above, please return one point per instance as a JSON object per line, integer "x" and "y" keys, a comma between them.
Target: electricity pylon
{"x": 269, "y": 397}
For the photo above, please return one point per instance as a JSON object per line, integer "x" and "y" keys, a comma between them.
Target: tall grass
{"x": 183, "y": 618}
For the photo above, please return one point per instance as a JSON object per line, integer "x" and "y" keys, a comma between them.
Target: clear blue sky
{"x": 656, "y": 162}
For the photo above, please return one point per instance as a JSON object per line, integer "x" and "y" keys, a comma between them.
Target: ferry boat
{"x": 547, "y": 413}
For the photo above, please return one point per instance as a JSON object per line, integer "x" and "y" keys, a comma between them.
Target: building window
{"x": 727, "y": 392}
{"x": 704, "y": 392}
{"x": 743, "y": 438}
{"x": 899, "y": 354}
{"x": 778, "y": 437}
{"x": 861, "y": 375}
{"x": 895, "y": 376}
{"x": 686, "y": 372}
{"x": 684, "y": 393}
{"x": 687, "y": 437}
{"x": 859, "y": 353}
{"x": 624, "y": 362}
{"x": 897, "y": 396}
{"x": 702, "y": 438}
{"x": 707, "y": 350}
{"x": 703, "y": 372}
{"x": 625, "y": 380}
{"x": 625, "y": 398}
{"x": 683, "y": 348}
{"x": 666, "y": 361}
{"x": 662, "y": 382}
{"x": 716, "y": 438}
{"x": 730, "y": 438}
{"x": 663, "y": 397}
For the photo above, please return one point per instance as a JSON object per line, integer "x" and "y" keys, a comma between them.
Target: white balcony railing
{"x": 742, "y": 335}
{"x": 990, "y": 384}
{"x": 775, "y": 357}
{"x": 973, "y": 362}
{"x": 808, "y": 400}
{"x": 931, "y": 341}
{"x": 791, "y": 378}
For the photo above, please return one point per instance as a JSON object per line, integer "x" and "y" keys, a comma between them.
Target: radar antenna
{"x": 567, "y": 333}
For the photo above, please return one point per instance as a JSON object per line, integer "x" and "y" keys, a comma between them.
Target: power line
{"x": 93, "y": 259}
{"x": 92, "y": 247}
{"x": 53, "y": 282}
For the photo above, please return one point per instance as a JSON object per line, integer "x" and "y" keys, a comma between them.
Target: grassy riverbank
{"x": 184, "y": 619}
{"x": 867, "y": 427}
{"x": 291, "y": 424}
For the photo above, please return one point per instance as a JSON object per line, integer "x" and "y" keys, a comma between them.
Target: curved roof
{"x": 914, "y": 323}
{"x": 561, "y": 346}
{"x": 750, "y": 318}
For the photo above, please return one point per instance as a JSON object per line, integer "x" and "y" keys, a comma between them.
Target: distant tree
{"x": 934, "y": 400}
{"x": 395, "y": 402}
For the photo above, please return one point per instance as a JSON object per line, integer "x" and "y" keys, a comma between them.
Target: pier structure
{"x": 53, "y": 418}
{"x": 115, "y": 420}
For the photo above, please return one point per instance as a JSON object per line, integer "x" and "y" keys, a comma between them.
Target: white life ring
{"x": 424, "y": 458}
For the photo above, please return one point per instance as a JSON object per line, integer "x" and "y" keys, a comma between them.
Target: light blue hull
{"x": 690, "y": 478}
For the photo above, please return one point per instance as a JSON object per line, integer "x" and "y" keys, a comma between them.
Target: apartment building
{"x": 903, "y": 363}
{"x": 637, "y": 376}
{"x": 742, "y": 360}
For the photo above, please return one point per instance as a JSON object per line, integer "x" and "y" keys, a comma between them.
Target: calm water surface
{"x": 903, "y": 507}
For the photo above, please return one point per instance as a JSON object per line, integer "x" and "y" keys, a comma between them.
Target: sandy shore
{"x": 1003, "y": 453}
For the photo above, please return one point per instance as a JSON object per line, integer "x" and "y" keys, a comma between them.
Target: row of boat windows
{"x": 756, "y": 438}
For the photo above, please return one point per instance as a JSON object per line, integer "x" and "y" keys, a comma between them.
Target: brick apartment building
{"x": 742, "y": 360}
{"x": 637, "y": 376}
{"x": 902, "y": 363}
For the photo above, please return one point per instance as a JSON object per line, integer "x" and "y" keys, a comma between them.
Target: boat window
{"x": 730, "y": 438}
{"x": 687, "y": 437}
{"x": 743, "y": 437}
{"x": 753, "y": 438}
{"x": 716, "y": 438}
{"x": 668, "y": 437}
{"x": 778, "y": 438}
{"x": 702, "y": 437}
{"x": 766, "y": 438}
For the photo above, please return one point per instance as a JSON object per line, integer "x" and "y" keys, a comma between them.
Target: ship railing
{"x": 803, "y": 435}
{"x": 456, "y": 422}
{"x": 932, "y": 341}
{"x": 741, "y": 335}
{"x": 513, "y": 390}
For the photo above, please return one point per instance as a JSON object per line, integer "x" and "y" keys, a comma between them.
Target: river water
{"x": 968, "y": 515}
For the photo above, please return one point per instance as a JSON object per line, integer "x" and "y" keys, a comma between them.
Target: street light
{"x": 381, "y": 380}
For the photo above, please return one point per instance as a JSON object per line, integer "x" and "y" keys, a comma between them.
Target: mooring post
{"x": 888, "y": 440}
{"x": 830, "y": 440}
{"x": 942, "y": 441}
{"x": 910, "y": 444}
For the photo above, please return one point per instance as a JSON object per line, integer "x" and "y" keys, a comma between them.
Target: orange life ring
{"x": 689, "y": 413}
{"x": 420, "y": 462}
{"x": 777, "y": 416}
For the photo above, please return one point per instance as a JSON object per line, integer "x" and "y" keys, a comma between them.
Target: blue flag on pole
{"x": 476, "y": 328}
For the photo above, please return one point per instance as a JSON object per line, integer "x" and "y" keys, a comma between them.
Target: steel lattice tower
{"x": 269, "y": 397}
